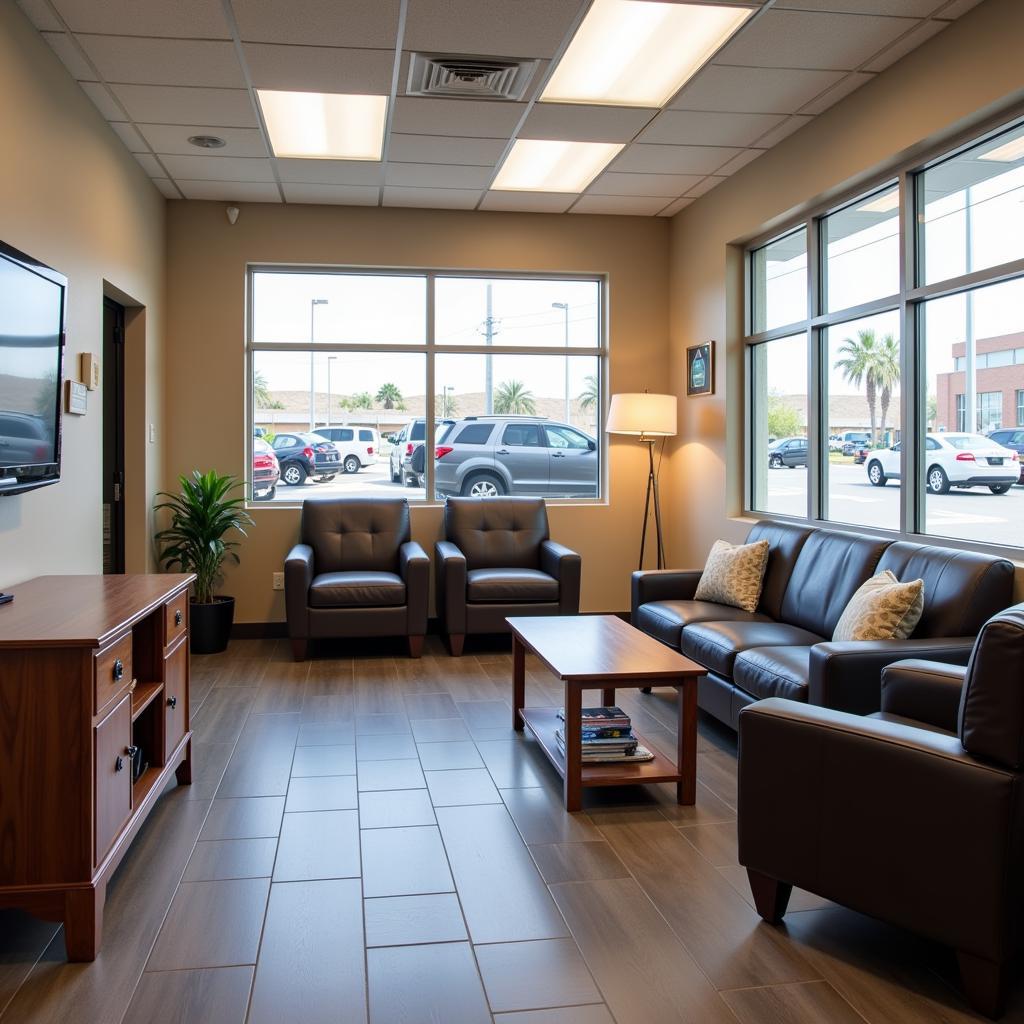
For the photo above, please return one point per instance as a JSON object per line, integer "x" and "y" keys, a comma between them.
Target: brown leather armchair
{"x": 356, "y": 573}
{"x": 497, "y": 560}
{"x": 914, "y": 815}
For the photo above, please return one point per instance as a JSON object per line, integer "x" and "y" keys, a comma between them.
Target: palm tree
{"x": 514, "y": 399}
{"x": 361, "y": 400}
{"x": 446, "y": 404}
{"x": 887, "y": 373}
{"x": 588, "y": 397}
{"x": 390, "y": 397}
{"x": 859, "y": 363}
{"x": 260, "y": 392}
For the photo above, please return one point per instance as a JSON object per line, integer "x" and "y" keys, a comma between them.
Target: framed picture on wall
{"x": 700, "y": 369}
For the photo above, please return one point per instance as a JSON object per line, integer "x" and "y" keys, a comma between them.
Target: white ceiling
{"x": 160, "y": 72}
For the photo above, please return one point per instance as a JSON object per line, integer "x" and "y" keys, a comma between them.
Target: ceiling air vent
{"x": 479, "y": 78}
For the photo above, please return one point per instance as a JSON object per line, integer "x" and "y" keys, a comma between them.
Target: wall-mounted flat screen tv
{"x": 32, "y": 308}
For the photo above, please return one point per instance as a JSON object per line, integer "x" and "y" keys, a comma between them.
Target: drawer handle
{"x": 131, "y": 751}
{"x": 172, "y": 702}
{"x": 177, "y": 616}
{"x": 118, "y": 670}
{"x": 119, "y": 764}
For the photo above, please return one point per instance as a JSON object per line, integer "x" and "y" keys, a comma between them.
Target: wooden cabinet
{"x": 92, "y": 669}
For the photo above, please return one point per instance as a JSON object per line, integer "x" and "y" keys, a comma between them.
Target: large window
{"x": 903, "y": 367}
{"x": 342, "y": 364}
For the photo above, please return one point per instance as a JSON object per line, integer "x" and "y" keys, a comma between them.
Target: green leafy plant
{"x": 200, "y": 517}
{"x": 590, "y": 394}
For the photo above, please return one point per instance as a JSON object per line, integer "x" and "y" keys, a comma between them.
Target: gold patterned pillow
{"x": 734, "y": 574}
{"x": 882, "y": 609}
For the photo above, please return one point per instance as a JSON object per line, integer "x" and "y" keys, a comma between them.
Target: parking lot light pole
{"x": 313, "y": 303}
{"x": 330, "y": 359}
{"x": 564, "y": 307}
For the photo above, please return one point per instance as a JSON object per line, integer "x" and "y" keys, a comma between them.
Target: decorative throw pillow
{"x": 882, "y": 609}
{"x": 734, "y": 574}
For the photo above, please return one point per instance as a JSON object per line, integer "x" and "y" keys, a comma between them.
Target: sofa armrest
{"x": 927, "y": 691}
{"x": 847, "y": 675}
{"x": 566, "y": 566}
{"x": 298, "y": 577}
{"x": 880, "y": 817}
{"x": 663, "y": 585}
{"x": 414, "y": 568}
{"x": 451, "y": 586}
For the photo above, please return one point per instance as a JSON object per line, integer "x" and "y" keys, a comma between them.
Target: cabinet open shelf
{"x": 143, "y": 695}
{"x": 144, "y": 783}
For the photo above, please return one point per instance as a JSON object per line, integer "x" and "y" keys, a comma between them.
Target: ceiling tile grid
{"x": 164, "y": 73}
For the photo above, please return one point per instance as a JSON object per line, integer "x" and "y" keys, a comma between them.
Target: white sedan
{"x": 953, "y": 460}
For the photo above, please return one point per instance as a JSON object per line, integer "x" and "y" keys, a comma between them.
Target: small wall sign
{"x": 700, "y": 369}
{"x": 76, "y": 398}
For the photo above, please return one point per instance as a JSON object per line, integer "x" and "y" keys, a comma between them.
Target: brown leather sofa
{"x": 914, "y": 815}
{"x": 356, "y": 573}
{"x": 784, "y": 649}
{"x": 497, "y": 560}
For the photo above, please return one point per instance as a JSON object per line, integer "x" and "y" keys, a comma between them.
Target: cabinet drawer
{"x": 113, "y": 769}
{"x": 112, "y": 671}
{"x": 175, "y": 697}
{"x": 175, "y": 618}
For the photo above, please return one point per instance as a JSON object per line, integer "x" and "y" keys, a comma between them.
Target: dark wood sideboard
{"x": 91, "y": 667}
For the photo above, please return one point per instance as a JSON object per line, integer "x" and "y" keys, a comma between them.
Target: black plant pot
{"x": 210, "y": 625}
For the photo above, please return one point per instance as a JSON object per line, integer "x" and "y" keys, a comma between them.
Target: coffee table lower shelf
{"x": 543, "y": 722}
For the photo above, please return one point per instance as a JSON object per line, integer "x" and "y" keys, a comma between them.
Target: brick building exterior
{"x": 1000, "y": 386}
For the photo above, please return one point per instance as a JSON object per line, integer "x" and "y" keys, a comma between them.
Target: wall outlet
{"x": 278, "y": 583}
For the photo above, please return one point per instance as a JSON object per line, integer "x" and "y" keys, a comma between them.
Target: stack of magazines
{"x": 607, "y": 735}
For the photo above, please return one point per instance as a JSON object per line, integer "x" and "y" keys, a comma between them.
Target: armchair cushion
{"x": 495, "y": 533}
{"x": 716, "y": 644}
{"x": 774, "y": 672}
{"x": 503, "y": 585}
{"x": 356, "y": 590}
{"x": 664, "y": 620}
{"x": 355, "y": 534}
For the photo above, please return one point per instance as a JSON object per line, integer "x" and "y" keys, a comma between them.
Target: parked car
{"x": 304, "y": 454}
{"x": 25, "y": 439}
{"x": 403, "y": 447}
{"x": 1012, "y": 439}
{"x": 854, "y": 440}
{"x": 860, "y": 454}
{"x": 358, "y": 445}
{"x": 266, "y": 471}
{"x": 790, "y": 451}
{"x": 835, "y": 443}
{"x": 414, "y": 467}
{"x": 953, "y": 460}
{"x": 484, "y": 456}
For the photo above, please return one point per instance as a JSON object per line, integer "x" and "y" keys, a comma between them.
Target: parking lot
{"x": 975, "y": 514}
{"x": 370, "y": 480}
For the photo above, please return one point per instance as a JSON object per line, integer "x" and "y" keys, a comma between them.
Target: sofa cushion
{"x": 716, "y": 644}
{"x": 488, "y": 585}
{"x": 665, "y": 619}
{"x": 785, "y": 541}
{"x": 882, "y": 609}
{"x": 356, "y": 590}
{"x": 774, "y": 672}
{"x": 734, "y": 574}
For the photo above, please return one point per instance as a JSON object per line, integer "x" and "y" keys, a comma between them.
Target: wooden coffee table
{"x": 602, "y": 652}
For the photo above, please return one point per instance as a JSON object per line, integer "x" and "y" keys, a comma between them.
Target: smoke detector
{"x": 207, "y": 141}
{"x": 479, "y": 78}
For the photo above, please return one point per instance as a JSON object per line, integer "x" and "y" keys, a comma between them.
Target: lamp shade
{"x": 642, "y": 413}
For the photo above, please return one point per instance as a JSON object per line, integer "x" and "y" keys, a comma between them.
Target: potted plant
{"x": 194, "y": 542}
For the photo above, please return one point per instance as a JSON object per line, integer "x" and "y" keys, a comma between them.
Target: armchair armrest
{"x": 298, "y": 577}
{"x": 566, "y": 567}
{"x": 927, "y": 691}
{"x": 414, "y": 568}
{"x": 451, "y": 586}
{"x": 847, "y": 675}
{"x": 663, "y": 585}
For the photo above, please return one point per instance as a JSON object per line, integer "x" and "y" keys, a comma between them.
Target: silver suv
{"x": 484, "y": 456}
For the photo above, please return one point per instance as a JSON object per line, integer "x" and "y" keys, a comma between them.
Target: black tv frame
{"x": 19, "y": 479}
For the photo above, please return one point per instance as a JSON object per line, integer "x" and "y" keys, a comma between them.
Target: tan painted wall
{"x": 205, "y": 364}
{"x": 73, "y": 197}
{"x": 966, "y": 73}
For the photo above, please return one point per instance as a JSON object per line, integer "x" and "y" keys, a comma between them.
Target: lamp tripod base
{"x": 652, "y": 492}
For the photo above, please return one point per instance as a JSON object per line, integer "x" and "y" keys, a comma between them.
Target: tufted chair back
{"x": 497, "y": 533}
{"x": 355, "y": 534}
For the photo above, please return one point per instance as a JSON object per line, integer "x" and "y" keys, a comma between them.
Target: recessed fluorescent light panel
{"x": 636, "y": 53}
{"x": 324, "y": 125}
{"x": 1008, "y": 153}
{"x": 881, "y": 204}
{"x": 537, "y": 165}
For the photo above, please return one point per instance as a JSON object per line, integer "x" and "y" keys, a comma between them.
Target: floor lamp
{"x": 647, "y": 417}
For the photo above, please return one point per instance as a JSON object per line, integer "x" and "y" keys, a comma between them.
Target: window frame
{"x": 430, "y": 349}
{"x": 910, "y": 303}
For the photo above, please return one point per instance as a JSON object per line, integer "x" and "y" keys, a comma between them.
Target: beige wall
{"x": 205, "y": 347}
{"x": 964, "y": 74}
{"x": 72, "y": 197}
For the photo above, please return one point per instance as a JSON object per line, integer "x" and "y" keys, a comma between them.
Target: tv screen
{"x": 32, "y": 299}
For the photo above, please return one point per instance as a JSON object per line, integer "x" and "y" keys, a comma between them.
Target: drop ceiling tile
{"x": 183, "y": 19}
{"x": 345, "y": 195}
{"x": 753, "y": 90}
{"x": 218, "y": 168}
{"x": 166, "y": 187}
{"x": 150, "y": 165}
{"x": 578, "y": 123}
{"x": 783, "y": 131}
{"x": 104, "y": 102}
{"x": 805, "y": 39}
{"x": 533, "y": 28}
{"x": 666, "y": 186}
{"x": 905, "y": 8}
{"x": 70, "y": 56}
{"x": 439, "y": 149}
{"x": 911, "y": 41}
{"x": 320, "y": 68}
{"x": 635, "y": 206}
{"x": 705, "y": 186}
{"x": 849, "y": 84}
{"x": 741, "y": 160}
{"x": 164, "y": 61}
{"x": 438, "y": 175}
{"x": 674, "y": 208}
{"x": 159, "y": 104}
{"x": 432, "y": 198}
{"x": 40, "y": 14}
{"x": 173, "y": 138}
{"x": 231, "y": 191}
{"x": 331, "y": 172}
{"x": 529, "y": 202}
{"x": 476, "y": 118}
{"x": 956, "y": 9}
{"x": 130, "y": 137}
{"x": 701, "y": 128}
{"x": 359, "y": 23}
{"x": 655, "y": 159}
